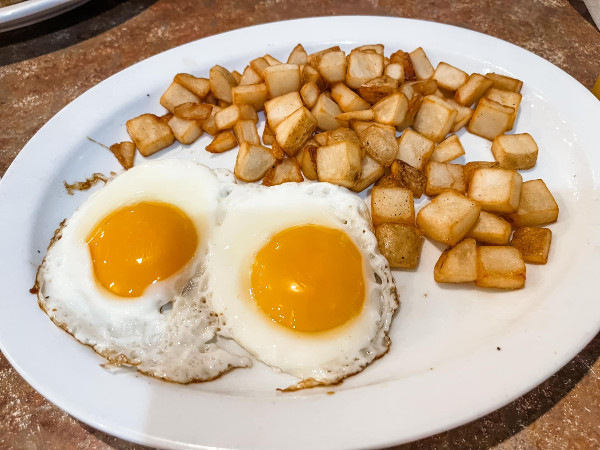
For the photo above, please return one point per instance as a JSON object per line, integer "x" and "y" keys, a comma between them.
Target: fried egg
{"x": 119, "y": 275}
{"x": 296, "y": 278}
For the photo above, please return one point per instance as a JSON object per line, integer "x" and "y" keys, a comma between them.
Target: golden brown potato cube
{"x": 193, "y": 111}
{"x": 371, "y": 171}
{"x": 124, "y": 152}
{"x": 175, "y": 95}
{"x": 414, "y": 148}
{"x": 400, "y": 244}
{"x": 448, "y": 217}
{"x": 223, "y": 141}
{"x": 422, "y": 87}
{"x": 278, "y": 108}
{"x": 277, "y": 151}
{"x": 149, "y": 133}
{"x": 209, "y": 125}
{"x": 463, "y": 115}
{"x": 490, "y": 119}
{"x": 308, "y": 159}
{"x": 362, "y": 67}
{"x": 298, "y": 55}
{"x": 505, "y": 83}
{"x": 472, "y": 166}
{"x": 401, "y": 57}
{"x": 377, "y": 89}
{"x": 447, "y": 150}
{"x": 310, "y": 93}
{"x": 413, "y": 107}
{"x": 185, "y": 131}
{"x": 199, "y": 86}
{"x": 237, "y": 76}
{"x": 449, "y": 77}
{"x": 339, "y": 163}
{"x": 391, "y": 110}
{"x": 284, "y": 171}
{"x": 380, "y": 144}
{"x": 227, "y": 117}
{"x": 405, "y": 175}
{"x": 457, "y": 264}
{"x": 506, "y": 98}
{"x": 250, "y": 76}
{"x": 473, "y": 89}
{"x": 392, "y": 204}
{"x": 363, "y": 115}
{"x": 443, "y": 176}
{"x": 421, "y": 64}
{"x": 252, "y": 162}
{"x": 490, "y": 229}
{"x": 395, "y": 71}
{"x": 259, "y": 65}
{"x": 282, "y": 79}
{"x": 247, "y": 112}
{"x": 293, "y": 132}
{"x": 221, "y": 82}
{"x": 315, "y": 58}
{"x": 347, "y": 99}
{"x": 515, "y": 151}
{"x": 496, "y": 190}
{"x": 312, "y": 75}
{"x": 271, "y": 60}
{"x": 536, "y": 205}
{"x": 252, "y": 94}
{"x": 435, "y": 118}
{"x": 341, "y": 134}
{"x": 245, "y": 131}
{"x": 377, "y": 48}
{"x": 500, "y": 267}
{"x": 326, "y": 111}
{"x": 533, "y": 243}
{"x": 332, "y": 66}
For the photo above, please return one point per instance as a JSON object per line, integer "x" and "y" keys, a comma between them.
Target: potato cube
{"x": 339, "y": 163}
{"x": 393, "y": 205}
{"x": 505, "y": 83}
{"x": 473, "y": 89}
{"x": 245, "y": 131}
{"x": 282, "y": 79}
{"x": 400, "y": 244}
{"x": 175, "y": 95}
{"x": 371, "y": 171}
{"x": 395, "y": 71}
{"x": 380, "y": 144}
{"x": 124, "y": 152}
{"x": 307, "y": 157}
{"x": 284, "y": 171}
{"x": 315, "y": 58}
{"x": 362, "y": 67}
{"x": 259, "y": 65}
{"x": 312, "y": 75}
{"x": 496, "y": 190}
{"x": 326, "y": 111}
{"x": 149, "y": 133}
{"x": 277, "y": 151}
{"x": 252, "y": 162}
{"x": 298, "y": 55}
{"x": 341, "y": 134}
{"x": 223, "y": 141}
{"x": 457, "y": 264}
{"x": 421, "y": 64}
{"x": 227, "y": 117}
{"x": 490, "y": 119}
{"x": 401, "y": 57}
{"x": 271, "y": 60}
{"x": 414, "y": 149}
{"x": 209, "y": 125}
{"x": 472, "y": 166}
{"x": 193, "y": 111}
{"x": 443, "y": 176}
{"x": 500, "y": 267}
{"x": 447, "y": 150}
{"x": 249, "y": 77}
{"x": 490, "y": 229}
{"x": 405, "y": 175}
{"x": 515, "y": 151}
{"x": 449, "y": 77}
{"x": 221, "y": 82}
{"x": 377, "y": 48}
{"x": 506, "y": 98}
{"x": 536, "y": 205}
{"x": 533, "y": 243}
{"x": 199, "y": 86}
{"x": 435, "y": 118}
{"x": 332, "y": 66}
{"x": 422, "y": 87}
{"x": 277, "y": 109}
{"x": 310, "y": 93}
{"x": 391, "y": 110}
{"x": 347, "y": 99}
{"x": 185, "y": 131}
{"x": 364, "y": 115}
{"x": 293, "y": 132}
{"x": 448, "y": 217}
{"x": 413, "y": 108}
{"x": 253, "y": 94}
{"x": 377, "y": 89}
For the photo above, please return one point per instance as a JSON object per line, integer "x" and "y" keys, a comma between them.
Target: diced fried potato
{"x": 310, "y": 93}
{"x": 227, "y": 117}
{"x": 321, "y": 138}
{"x": 250, "y": 76}
{"x": 284, "y": 171}
{"x": 237, "y": 76}
{"x": 278, "y": 108}
{"x": 371, "y": 171}
{"x": 272, "y": 60}
{"x": 401, "y": 57}
{"x": 315, "y": 58}
{"x": 533, "y": 243}
{"x": 505, "y": 83}
{"x": 393, "y": 205}
{"x": 312, "y": 75}
{"x": 185, "y": 131}
{"x": 405, "y": 175}
{"x": 506, "y": 98}
{"x": 378, "y": 88}
{"x": 363, "y": 115}
{"x": 277, "y": 151}
{"x": 422, "y": 87}
{"x": 457, "y": 264}
{"x": 209, "y": 125}
{"x": 199, "y": 86}
{"x": 245, "y": 131}
{"x": 252, "y": 162}
{"x": 496, "y": 190}
{"x": 309, "y": 159}
{"x": 435, "y": 118}
{"x": 339, "y": 163}
{"x": 326, "y": 111}
{"x": 515, "y": 151}
{"x": 124, "y": 152}
{"x": 259, "y": 65}
{"x": 536, "y": 205}
{"x": 473, "y": 89}
{"x": 414, "y": 149}
{"x": 223, "y": 141}
{"x": 400, "y": 244}
{"x": 391, "y": 110}
{"x": 193, "y": 111}
{"x": 377, "y": 48}
{"x": 472, "y": 166}
{"x": 247, "y": 112}
{"x": 447, "y": 150}
{"x": 362, "y": 67}
{"x": 380, "y": 144}
{"x": 448, "y": 217}
{"x": 449, "y": 77}
{"x": 149, "y": 133}
{"x": 332, "y": 66}
{"x": 490, "y": 229}
{"x": 463, "y": 115}
{"x": 252, "y": 94}
{"x": 282, "y": 79}
{"x": 421, "y": 64}
{"x": 490, "y": 119}
{"x": 342, "y": 134}
{"x": 413, "y": 107}
{"x": 395, "y": 71}
{"x": 347, "y": 99}
{"x": 268, "y": 136}
{"x": 500, "y": 267}
{"x": 221, "y": 82}
{"x": 293, "y": 132}
{"x": 165, "y": 118}
{"x": 175, "y": 95}
{"x": 298, "y": 55}
{"x": 443, "y": 176}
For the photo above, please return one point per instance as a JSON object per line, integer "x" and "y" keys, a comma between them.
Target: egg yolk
{"x": 140, "y": 244}
{"x": 309, "y": 278}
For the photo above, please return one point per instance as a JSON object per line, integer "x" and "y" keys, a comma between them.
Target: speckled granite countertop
{"x": 45, "y": 66}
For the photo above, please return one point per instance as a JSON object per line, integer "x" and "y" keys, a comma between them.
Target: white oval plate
{"x": 33, "y": 11}
{"x": 458, "y": 352}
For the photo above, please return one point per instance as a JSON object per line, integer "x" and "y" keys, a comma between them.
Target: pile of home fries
{"x": 360, "y": 118}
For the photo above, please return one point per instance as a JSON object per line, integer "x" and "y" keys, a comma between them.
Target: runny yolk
{"x": 140, "y": 244}
{"x": 309, "y": 278}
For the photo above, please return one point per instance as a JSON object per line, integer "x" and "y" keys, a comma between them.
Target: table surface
{"x": 45, "y": 66}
